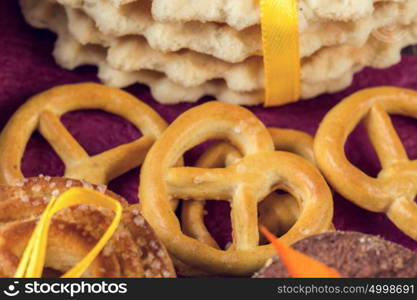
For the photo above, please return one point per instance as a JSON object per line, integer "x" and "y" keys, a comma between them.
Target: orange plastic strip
{"x": 298, "y": 264}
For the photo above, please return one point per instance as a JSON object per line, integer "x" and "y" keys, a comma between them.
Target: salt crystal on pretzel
{"x": 260, "y": 171}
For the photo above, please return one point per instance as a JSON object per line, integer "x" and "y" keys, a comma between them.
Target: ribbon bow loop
{"x": 33, "y": 259}
{"x": 282, "y": 64}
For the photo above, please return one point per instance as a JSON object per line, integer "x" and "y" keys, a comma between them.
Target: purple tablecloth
{"x": 27, "y": 68}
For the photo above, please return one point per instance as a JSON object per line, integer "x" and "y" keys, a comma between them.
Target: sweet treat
{"x": 352, "y": 254}
{"x": 185, "y": 61}
{"x": 350, "y": 25}
{"x": 246, "y": 13}
{"x": 278, "y": 212}
{"x": 43, "y": 112}
{"x": 393, "y": 191}
{"x": 70, "y": 54}
{"x": 132, "y": 251}
{"x": 298, "y": 264}
{"x": 245, "y": 183}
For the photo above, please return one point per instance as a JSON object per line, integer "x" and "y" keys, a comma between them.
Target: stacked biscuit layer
{"x": 187, "y": 49}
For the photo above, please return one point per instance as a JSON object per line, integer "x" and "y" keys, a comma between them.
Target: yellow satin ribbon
{"x": 33, "y": 259}
{"x": 280, "y": 36}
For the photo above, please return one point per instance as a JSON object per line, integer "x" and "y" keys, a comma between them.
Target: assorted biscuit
{"x": 124, "y": 41}
{"x": 273, "y": 179}
{"x": 277, "y": 212}
{"x": 245, "y": 183}
{"x": 246, "y": 169}
{"x": 228, "y": 43}
{"x": 394, "y": 189}
{"x": 133, "y": 250}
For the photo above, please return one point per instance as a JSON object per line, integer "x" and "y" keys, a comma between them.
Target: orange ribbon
{"x": 298, "y": 264}
{"x": 281, "y": 50}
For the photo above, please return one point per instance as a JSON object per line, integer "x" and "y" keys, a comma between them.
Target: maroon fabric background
{"x": 27, "y": 68}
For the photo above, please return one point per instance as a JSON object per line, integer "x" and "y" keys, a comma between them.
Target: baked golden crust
{"x": 133, "y": 250}
{"x": 277, "y": 212}
{"x": 394, "y": 189}
{"x": 244, "y": 183}
{"x": 43, "y": 111}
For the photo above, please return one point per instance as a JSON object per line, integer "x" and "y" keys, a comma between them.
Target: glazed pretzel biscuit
{"x": 132, "y": 251}
{"x": 245, "y": 183}
{"x": 43, "y": 112}
{"x": 395, "y": 188}
{"x": 277, "y": 212}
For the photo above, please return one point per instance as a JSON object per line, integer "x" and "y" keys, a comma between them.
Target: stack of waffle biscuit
{"x": 185, "y": 49}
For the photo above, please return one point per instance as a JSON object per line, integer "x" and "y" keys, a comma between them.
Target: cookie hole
{"x": 98, "y": 131}
{"x": 278, "y": 212}
{"x": 95, "y": 131}
{"x": 361, "y": 153}
{"x": 39, "y": 158}
{"x": 194, "y": 155}
{"x": 218, "y": 222}
{"x": 127, "y": 185}
{"x": 407, "y": 132}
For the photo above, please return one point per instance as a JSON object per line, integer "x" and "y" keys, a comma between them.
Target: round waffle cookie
{"x": 352, "y": 254}
{"x": 133, "y": 250}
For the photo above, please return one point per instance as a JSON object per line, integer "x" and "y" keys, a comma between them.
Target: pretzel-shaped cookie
{"x": 393, "y": 191}
{"x": 245, "y": 183}
{"x": 277, "y": 212}
{"x": 43, "y": 112}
